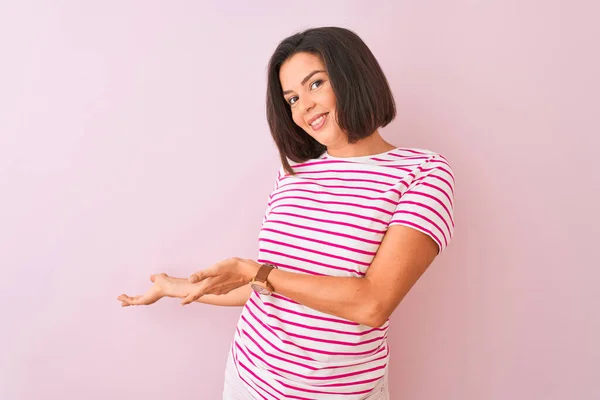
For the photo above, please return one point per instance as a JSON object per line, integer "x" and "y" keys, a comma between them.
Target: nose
{"x": 306, "y": 104}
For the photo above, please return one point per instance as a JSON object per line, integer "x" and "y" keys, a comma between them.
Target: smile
{"x": 318, "y": 122}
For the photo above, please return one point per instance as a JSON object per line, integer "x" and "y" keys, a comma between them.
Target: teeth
{"x": 317, "y": 121}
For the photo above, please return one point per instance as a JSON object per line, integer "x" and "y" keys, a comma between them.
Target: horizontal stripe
{"x": 311, "y": 349}
{"x": 433, "y": 210}
{"x": 309, "y": 250}
{"x": 310, "y": 327}
{"x": 275, "y": 356}
{"x": 382, "y": 222}
{"x": 292, "y": 267}
{"x": 333, "y": 267}
{"x": 424, "y": 218}
{"x": 258, "y": 332}
{"x": 277, "y": 296}
{"x": 321, "y": 378}
{"x": 420, "y": 228}
{"x": 355, "y": 180}
{"x": 339, "y": 203}
{"x": 355, "y": 196}
{"x": 448, "y": 213}
{"x": 352, "y": 188}
{"x": 443, "y": 192}
{"x": 268, "y": 304}
{"x": 339, "y": 246}
{"x": 329, "y": 221}
{"x": 350, "y": 171}
{"x": 332, "y": 233}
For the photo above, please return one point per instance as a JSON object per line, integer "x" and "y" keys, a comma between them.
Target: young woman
{"x": 351, "y": 225}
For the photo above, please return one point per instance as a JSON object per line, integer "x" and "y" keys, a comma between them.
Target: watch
{"x": 259, "y": 283}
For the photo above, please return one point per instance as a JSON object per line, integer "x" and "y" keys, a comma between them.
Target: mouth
{"x": 318, "y": 121}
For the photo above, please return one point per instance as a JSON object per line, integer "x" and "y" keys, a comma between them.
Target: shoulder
{"x": 422, "y": 160}
{"x": 425, "y": 155}
{"x": 311, "y": 163}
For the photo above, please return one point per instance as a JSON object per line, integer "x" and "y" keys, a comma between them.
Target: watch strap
{"x": 263, "y": 272}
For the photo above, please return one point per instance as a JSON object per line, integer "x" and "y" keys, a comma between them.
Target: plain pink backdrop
{"x": 133, "y": 140}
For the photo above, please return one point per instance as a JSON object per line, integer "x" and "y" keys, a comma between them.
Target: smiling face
{"x": 308, "y": 92}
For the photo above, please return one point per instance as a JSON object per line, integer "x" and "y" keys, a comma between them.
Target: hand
{"x": 221, "y": 278}
{"x": 160, "y": 289}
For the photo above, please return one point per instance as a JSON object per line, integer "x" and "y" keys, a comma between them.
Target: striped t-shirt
{"x": 329, "y": 219}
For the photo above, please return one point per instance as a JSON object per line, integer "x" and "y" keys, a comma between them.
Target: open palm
{"x": 156, "y": 292}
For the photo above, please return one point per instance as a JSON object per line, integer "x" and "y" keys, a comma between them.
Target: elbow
{"x": 375, "y": 315}
{"x": 377, "y": 322}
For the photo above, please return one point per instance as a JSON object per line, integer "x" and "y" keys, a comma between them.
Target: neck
{"x": 373, "y": 144}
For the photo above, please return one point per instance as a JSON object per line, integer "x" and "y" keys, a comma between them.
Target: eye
{"x": 316, "y": 84}
{"x": 292, "y": 100}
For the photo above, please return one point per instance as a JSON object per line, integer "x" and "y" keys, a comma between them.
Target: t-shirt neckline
{"x": 359, "y": 158}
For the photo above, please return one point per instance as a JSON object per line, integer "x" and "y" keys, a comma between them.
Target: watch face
{"x": 260, "y": 289}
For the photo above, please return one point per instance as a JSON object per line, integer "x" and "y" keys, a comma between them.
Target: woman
{"x": 350, "y": 226}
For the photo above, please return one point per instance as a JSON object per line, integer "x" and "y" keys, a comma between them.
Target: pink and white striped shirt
{"x": 329, "y": 219}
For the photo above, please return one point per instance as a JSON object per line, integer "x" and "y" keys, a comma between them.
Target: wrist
{"x": 175, "y": 288}
{"x": 249, "y": 269}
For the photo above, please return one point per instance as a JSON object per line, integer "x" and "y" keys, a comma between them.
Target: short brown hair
{"x": 363, "y": 96}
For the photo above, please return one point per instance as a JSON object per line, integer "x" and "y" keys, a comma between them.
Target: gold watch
{"x": 259, "y": 283}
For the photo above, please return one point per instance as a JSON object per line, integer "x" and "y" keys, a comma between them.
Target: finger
{"x": 190, "y": 298}
{"x": 124, "y": 299}
{"x": 202, "y": 275}
{"x": 134, "y": 301}
{"x": 187, "y": 299}
{"x": 210, "y": 289}
{"x": 154, "y": 276}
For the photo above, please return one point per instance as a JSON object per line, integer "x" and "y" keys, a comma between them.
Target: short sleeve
{"x": 280, "y": 174}
{"x": 428, "y": 203}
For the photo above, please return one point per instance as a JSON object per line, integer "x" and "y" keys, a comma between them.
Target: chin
{"x": 326, "y": 137}
{"x": 330, "y": 140}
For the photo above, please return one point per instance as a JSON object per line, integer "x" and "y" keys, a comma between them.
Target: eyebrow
{"x": 304, "y": 80}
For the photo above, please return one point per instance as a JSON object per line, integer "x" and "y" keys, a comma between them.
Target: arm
{"x": 181, "y": 287}
{"x": 403, "y": 256}
{"x": 167, "y": 286}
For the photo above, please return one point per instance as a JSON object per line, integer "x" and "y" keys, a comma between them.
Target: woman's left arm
{"x": 402, "y": 257}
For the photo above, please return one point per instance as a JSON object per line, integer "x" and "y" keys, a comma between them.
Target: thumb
{"x": 153, "y": 276}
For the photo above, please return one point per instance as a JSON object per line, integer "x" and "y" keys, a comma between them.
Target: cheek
{"x": 331, "y": 101}
{"x": 297, "y": 118}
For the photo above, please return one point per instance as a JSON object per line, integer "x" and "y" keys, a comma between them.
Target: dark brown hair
{"x": 364, "y": 100}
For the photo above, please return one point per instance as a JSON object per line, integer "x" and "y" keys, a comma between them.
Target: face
{"x": 308, "y": 92}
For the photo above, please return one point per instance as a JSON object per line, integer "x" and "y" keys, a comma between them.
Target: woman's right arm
{"x": 182, "y": 287}
{"x": 167, "y": 286}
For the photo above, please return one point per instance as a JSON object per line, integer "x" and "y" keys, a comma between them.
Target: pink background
{"x": 133, "y": 140}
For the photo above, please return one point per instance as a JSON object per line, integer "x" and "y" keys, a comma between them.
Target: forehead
{"x": 297, "y": 67}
